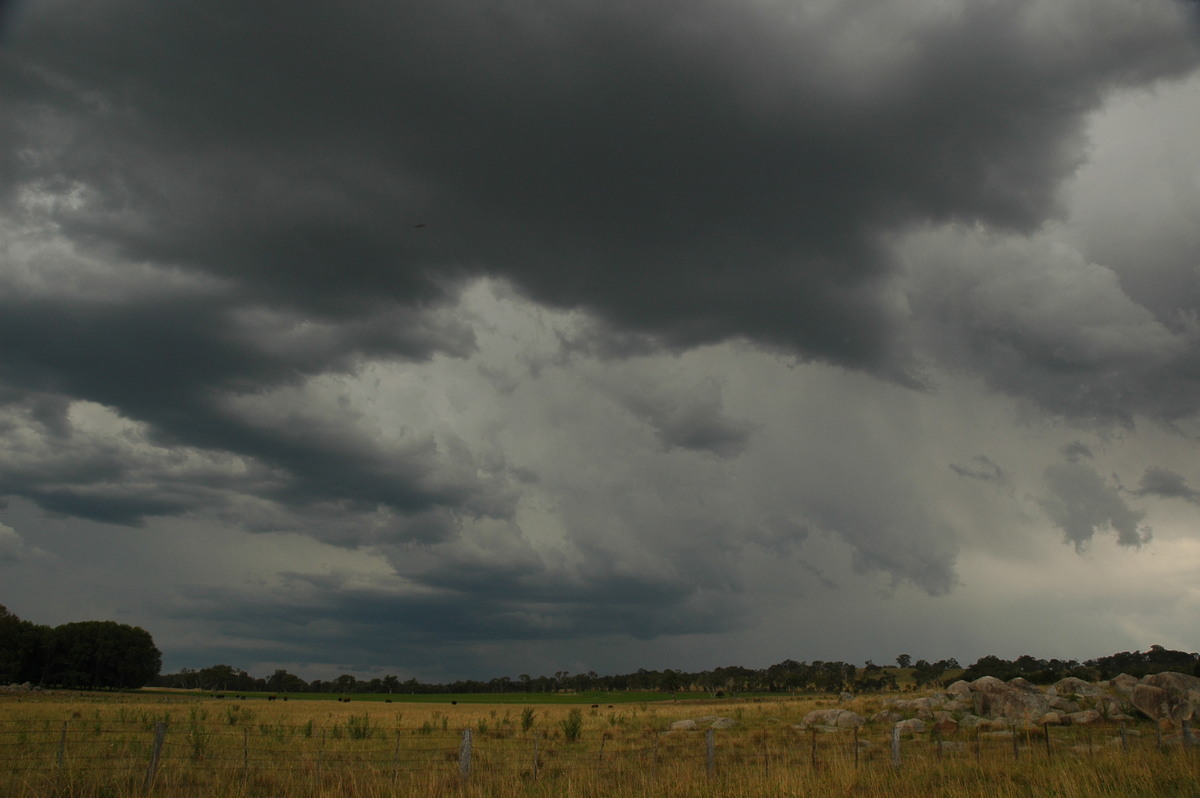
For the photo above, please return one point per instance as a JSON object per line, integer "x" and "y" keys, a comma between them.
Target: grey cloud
{"x": 982, "y": 469}
{"x": 1039, "y": 322}
{"x": 1075, "y": 451}
{"x": 432, "y": 629}
{"x": 13, "y": 548}
{"x": 897, "y": 539}
{"x": 175, "y": 364}
{"x": 692, "y": 419}
{"x": 685, "y": 171}
{"x": 1166, "y": 484}
{"x": 1082, "y": 504}
{"x": 207, "y": 208}
{"x": 779, "y": 533}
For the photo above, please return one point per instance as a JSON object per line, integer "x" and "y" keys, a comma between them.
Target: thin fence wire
{"x": 201, "y": 753}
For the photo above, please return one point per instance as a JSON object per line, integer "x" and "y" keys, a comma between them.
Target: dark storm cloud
{"x": 1038, "y": 321}
{"x": 688, "y": 171}
{"x": 1081, "y": 503}
{"x": 428, "y": 629}
{"x": 171, "y": 362}
{"x": 209, "y": 204}
{"x": 1166, "y": 484}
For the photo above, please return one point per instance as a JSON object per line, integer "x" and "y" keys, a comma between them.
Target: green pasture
{"x": 601, "y": 698}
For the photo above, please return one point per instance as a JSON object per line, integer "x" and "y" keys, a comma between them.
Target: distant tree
{"x": 991, "y": 665}
{"x": 95, "y": 654}
{"x": 283, "y": 682}
{"x": 224, "y": 677}
{"x": 904, "y": 660}
{"x": 670, "y": 680}
{"x": 926, "y": 673}
{"x": 391, "y": 683}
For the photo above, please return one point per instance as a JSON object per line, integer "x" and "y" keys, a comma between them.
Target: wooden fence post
{"x": 396, "y": 758}
{"x": 464, "y": 754}
{"x": 896, "y": 745}
{"x": 711, "y": 749}
{"x": 62, "y": 745}
{"x": 535, "y": 759}
{"x": 160, "y": 732}
{"x": 1185, "y": 730}
{"x": 245, "y": 754}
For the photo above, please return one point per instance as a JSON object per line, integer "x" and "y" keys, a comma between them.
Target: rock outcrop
{"x": 1167, "y": 696}
{"x": 837, "y": 718}
{"x": 1164, "y": 697}
{"x": 706, "y": 722}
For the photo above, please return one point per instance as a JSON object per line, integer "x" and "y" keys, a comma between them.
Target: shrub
{"x": 359, "y": 727}
{"x": 572, "y": 725}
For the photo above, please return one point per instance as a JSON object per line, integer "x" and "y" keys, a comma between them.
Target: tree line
{"x": 105, "y": 654}
{"x": 789, "y": 676}
{"x": 83, "y": 655}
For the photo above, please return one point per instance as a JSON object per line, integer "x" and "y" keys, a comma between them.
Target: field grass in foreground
{"x": 94, "y": 746}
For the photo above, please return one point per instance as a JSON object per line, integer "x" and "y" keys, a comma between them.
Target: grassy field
{"x": 626, "y": 697}
{"x": 97, "y": 745}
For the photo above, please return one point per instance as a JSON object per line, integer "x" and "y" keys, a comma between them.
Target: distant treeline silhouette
{"x": 789, "y": 676}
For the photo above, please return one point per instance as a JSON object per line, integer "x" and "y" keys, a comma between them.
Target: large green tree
{"x": 22, "y": 648}
{"x": 93, "y": 654}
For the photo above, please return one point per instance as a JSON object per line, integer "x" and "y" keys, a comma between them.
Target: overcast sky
{"x": 469, "y": 338}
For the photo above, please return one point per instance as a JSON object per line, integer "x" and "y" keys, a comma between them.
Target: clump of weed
{"x": 572, "y": 725}
{"x": 359, "y": 727}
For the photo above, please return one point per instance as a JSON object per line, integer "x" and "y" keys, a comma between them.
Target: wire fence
{"x": 154, "y": 754}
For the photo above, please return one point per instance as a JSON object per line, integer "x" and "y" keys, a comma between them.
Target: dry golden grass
{"x": 93, "y": 746}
